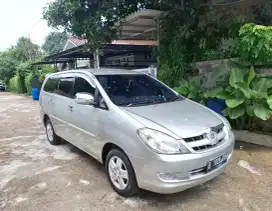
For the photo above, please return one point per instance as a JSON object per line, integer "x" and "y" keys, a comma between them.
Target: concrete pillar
{"x": 96, "y": 59}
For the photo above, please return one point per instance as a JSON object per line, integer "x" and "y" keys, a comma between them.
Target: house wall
{"x": 137, "y": 59}
{"x": 83, "y": 63}
{"x": 122, "y": 60}
{"x": 202, "y": 68}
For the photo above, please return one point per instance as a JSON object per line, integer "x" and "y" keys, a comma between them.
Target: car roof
{"x": 101, "y": 71}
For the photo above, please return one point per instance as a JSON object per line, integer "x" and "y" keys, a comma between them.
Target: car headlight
{"x": 226, "y": 123}
{"x": 161, "y": 142}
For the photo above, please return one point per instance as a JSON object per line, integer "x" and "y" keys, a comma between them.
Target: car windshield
{"x": 136, "y": 90}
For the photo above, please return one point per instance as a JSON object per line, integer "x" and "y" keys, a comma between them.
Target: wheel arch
{"x": 45, "y": 118}
{"x": 107, "y": 148}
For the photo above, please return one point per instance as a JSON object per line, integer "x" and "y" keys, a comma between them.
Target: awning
{"x": 81, "y": 52}
{"x": 141, "y": 25}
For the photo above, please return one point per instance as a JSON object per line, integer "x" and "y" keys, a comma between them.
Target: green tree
{"x": 95, "y": 20}
{"x": 8, "y": 64}
{"x": 191, "y": 34}
{"x": 263, "y": 13}
{"x": 190, "y": 29}
{"x": 254, "y": 43}
{"x": 54, "y": 42}
{"x": 26, "y": 49}
{"x": 92, "y": 19}
{"x": 16, "y": 63}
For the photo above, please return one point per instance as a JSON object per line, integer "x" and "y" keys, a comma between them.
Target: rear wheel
{"x": 121, "y": 174}
{"x": 51, "y": 135}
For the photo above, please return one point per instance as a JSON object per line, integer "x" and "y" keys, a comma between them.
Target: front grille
{"x": 196, "y": 138}
{"x": 202, "y": 142}
{"x": 208, "y": 146}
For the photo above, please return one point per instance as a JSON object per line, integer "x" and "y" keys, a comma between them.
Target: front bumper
{"x": 189, "y": 169}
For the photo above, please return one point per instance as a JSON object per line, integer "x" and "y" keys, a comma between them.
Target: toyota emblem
{"x": 212, "y": 136}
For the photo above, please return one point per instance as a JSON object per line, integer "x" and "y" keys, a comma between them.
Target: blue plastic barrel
{"x": 35, "y": 94}
{"x": 217, "y": 105}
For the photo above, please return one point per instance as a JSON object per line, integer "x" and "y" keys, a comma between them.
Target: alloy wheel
{"x": 118, "y": 173}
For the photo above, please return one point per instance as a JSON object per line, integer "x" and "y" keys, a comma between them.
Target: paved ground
{"x": 37, "y": 176}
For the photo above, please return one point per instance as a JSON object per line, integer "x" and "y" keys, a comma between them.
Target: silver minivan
{"x": 145, "y": 134}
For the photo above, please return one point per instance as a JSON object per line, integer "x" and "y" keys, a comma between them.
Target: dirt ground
{"x": 37, "y": 176}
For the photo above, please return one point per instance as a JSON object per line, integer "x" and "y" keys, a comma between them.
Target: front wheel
{"x": 51, "y": 135}
{"x": 121, "y": 174}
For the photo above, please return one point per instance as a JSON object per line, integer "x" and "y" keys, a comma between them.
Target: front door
{"x": 84, "y": 117}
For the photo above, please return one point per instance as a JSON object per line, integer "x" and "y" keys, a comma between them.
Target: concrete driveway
{"x": 37, "y": 176}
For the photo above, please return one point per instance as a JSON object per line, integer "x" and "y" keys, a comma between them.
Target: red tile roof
{"x": 77, "y": 41}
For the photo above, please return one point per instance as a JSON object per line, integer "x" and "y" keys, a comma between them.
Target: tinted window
{"x": 66, "y": 87}
{"x": 81, "y": 85}
{"x": 51, "y": 85}
{"x": 136, "y": 90}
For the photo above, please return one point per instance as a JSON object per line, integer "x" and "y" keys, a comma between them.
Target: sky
{"x": 22, "y": 18}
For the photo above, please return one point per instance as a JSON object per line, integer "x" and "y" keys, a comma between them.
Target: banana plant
{"x": 247, "y": 95}
{"x": 193, "y": 90}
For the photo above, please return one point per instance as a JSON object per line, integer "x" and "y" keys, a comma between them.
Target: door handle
{"x": 51, "y": 101}
{"x": 71, "y": 108}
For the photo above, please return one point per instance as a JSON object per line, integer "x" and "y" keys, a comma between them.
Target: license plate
{"x": 215, "y": 163}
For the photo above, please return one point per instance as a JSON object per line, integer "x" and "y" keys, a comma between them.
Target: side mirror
{"x": 84, "y": 99}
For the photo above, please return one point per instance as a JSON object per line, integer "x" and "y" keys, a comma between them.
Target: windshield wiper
{"x": 138, "y": 104}
{"x": 171, "y": 100}
{"x": 151, "y": 102}
{"x": 175, "y": 99}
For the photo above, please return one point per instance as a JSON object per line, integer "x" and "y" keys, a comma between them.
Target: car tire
{"x": 127, "y": 181}
{"x": 50, "y": 133}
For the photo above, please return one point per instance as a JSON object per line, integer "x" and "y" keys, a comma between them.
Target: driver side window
{"x": 83, "y": 86}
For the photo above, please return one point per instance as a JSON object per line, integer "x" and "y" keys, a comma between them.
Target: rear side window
{"x": 51, "y": 85}
{"x": 81, "y": 85}
{"x": 66, "y": 87}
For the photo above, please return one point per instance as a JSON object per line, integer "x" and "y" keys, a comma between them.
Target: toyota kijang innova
{"x": 145, "y": 134}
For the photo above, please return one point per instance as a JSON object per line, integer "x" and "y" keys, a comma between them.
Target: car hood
{"x": 183, "y": 118}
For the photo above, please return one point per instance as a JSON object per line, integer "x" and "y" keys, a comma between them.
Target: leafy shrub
{"x": 16, "y": 84}
{"x": 170, "y": 75}
{"x": 28, "y": 80}
{"x": 217, "y": 54}
{"x": 194, "y": 90}
{"x": 47, "y": 70}
{"x": 254, "y": 43}
{"x": 191, "y": 89}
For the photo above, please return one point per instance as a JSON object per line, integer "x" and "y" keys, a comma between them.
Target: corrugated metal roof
{"x": 135, "y": 42}
{"x": 78, "y": 42}
{"x": 141, "y": 25}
